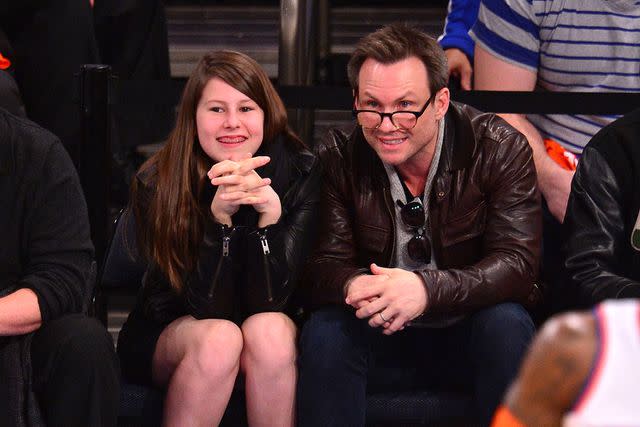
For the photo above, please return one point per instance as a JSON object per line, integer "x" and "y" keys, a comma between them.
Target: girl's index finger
{"x": 251, "y": 164}
{"x": 224, "y": 167}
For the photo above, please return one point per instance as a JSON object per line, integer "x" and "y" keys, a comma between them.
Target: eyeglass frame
{"x": 418, "y": 114}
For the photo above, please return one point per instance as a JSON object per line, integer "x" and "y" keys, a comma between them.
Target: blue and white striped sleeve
{"x": 509, "y": 30}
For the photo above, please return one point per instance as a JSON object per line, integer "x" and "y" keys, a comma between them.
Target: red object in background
{"x": 566, "y": 159}
{"x": 4, "y": 63}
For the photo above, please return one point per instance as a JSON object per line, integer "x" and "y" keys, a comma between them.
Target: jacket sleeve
{"x": 461, "y": 15}
{"x": 59, "y": 249}
{"x": 597, "y": 244}
{"x": 334, "y": 259}
{"x": 276, "y": 254}
{"x": 510, "y": 236}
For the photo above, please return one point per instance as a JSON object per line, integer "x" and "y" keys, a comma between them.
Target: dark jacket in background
{"x": 484, "y": 214}
{"x": 602, "y": 210}
{"x": 45, "y": 247}
{"x": 43, "y": 220}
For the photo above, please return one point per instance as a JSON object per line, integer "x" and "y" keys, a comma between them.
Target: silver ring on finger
{"x": 382, "y": 317}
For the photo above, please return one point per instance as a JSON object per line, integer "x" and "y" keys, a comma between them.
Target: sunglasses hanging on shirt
{"x": 412, "y": 215}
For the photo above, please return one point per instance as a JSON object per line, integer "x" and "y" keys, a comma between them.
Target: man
{"x": 603, "y": 216}
{"x": 581, "y": 370}
{"x": 552, "y": 45}
{"x": 47, "y": 346}
{"x": 428, "y": 241}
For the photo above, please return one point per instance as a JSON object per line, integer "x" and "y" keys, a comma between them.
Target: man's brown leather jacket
{"x": 484, "y": 217}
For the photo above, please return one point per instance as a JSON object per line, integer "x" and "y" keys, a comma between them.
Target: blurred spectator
{"x": 55, "y": 38}
{"x": 10, "y": 98}
{"x": 557, "y": 45}
{"x": 57, "y": 366}
{"x": 553, "y": 45}
{"x": 46, "y": 42}
{"x": 132, "y": 39}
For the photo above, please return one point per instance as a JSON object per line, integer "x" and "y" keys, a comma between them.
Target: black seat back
{"x": 122, "y": 268}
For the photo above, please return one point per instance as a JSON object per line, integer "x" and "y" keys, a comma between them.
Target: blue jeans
{"x": 342, "y": 358}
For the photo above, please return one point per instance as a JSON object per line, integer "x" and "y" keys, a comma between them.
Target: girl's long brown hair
{"x": 171, "y": 222}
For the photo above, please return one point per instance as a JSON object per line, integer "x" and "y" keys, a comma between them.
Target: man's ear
{"x": 441, "y": 102}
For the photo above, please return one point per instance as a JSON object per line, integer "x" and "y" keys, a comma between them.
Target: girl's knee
{"x": 216, "y": 348}
{"x": 269, "y": 340}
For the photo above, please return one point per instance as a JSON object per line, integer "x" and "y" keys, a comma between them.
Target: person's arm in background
{"x": 507, "y": 58}
{"x": 455, "y": 40}
{"x": 58, "y": 250}
{"x": 493, "y": 73}
{"x": 19, "y": 313}
{"x": 552, "y": 373}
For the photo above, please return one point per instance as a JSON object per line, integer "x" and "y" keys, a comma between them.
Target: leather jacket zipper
{"x": 391, "y": 212}
{"x": 226, "y": 239}
{"x": 265, "y": 261}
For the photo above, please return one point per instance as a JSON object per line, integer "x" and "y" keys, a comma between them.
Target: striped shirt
{"x": 573, "y": 46}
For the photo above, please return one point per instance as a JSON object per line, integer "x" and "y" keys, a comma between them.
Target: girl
{"x": 223, "y": 213}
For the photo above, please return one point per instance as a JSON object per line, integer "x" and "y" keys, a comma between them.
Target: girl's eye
{"x": 246, "y": 109}
{"x": 216, "y": 109}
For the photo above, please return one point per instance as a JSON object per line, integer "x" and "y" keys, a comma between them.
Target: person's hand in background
{"x": 459, "y": 66}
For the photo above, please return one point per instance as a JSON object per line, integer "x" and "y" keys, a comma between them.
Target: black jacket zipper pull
{"x": 265, "y": 259}
{"x": 226, "y": 239}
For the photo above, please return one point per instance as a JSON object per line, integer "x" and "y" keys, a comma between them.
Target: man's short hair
{"x": 395, "y": 42}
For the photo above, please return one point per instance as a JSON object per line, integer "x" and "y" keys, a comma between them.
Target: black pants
{"x": 75, "y": 373}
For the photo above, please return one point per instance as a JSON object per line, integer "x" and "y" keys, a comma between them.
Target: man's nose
{"x": 386, "y": 124}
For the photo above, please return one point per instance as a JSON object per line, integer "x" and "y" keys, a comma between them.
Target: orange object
{"x": 4, "y": 63}
{"x": 566, "y": 159}
{"x": 504, "y": 418}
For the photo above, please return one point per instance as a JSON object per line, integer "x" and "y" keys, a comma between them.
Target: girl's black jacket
{"x": 243, "y": 269}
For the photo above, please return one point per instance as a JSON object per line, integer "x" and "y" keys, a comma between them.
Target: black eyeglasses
{"x": 372, "y": 119}
{"x": 419, "y": 247}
